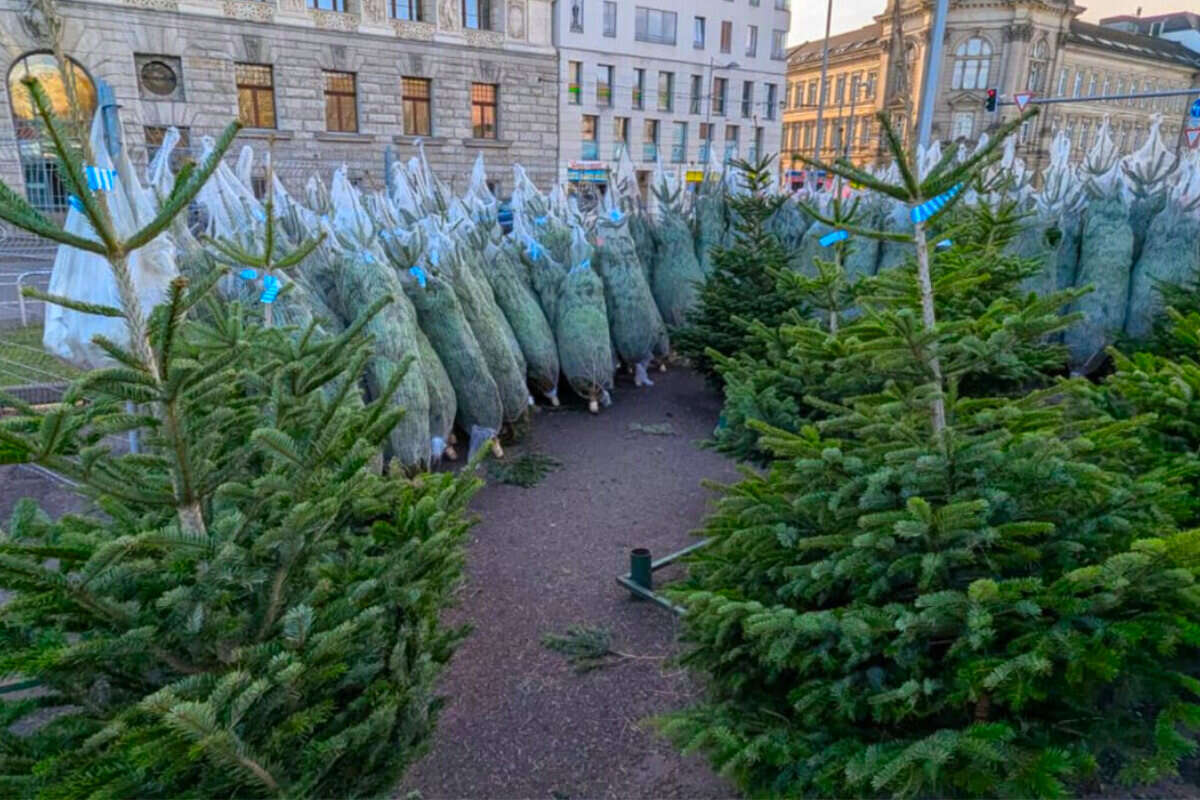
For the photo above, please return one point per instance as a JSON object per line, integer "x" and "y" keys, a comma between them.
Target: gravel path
{"x": 519, "y": 722}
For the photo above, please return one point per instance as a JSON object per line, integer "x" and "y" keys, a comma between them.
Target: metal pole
{"x": 853, "y": 101}
{"x": 640, "y": 569}
{"x": 1033, "y": 101}
{"x": 933, "y": 68}
{"x": 821, "y": 85}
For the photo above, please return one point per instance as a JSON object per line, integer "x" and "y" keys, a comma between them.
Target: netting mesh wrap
{"x": 1105, "y": 258}
{"x": 633, "y": 316}
{"x": 525, "y": 316}
{"x": 710, "y": 220}
{"x": 581, "y": 327}
{"x": 677, "y": 274}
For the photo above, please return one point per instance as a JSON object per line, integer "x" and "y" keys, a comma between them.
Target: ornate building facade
{"x": 327, "y": 82}
{"x": 1020, "y": 45}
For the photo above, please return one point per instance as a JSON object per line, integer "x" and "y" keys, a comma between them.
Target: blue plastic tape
{"x": 271, "y": 287}
{"x": 927, "y": 210}
{"x": 100, "y": 180}
{"x": 75, "y": 203}
{"x": 540, "y": 220}
{"x": 944, "y": 244}
{"x": 419, "y": 274}
{"x": 833, "y": 238}
{"x": 247, "y": 274}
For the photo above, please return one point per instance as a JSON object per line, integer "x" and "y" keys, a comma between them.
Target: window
{"x": 577, "y": 16}
{"x": 652, "y": 25}
{"x": 604, "y": 80}
{"x": 679, "y": 143}
{"x": 159, "y": 77}
{"x": 590, "y": 149}
{"x": 726, "y": 37}
{"x": 1104, "y": 88}
{"x": 962, "y": 125}
{"x": 610, "y": 18}
{"x": 650, "y": 140}
{"x": 855, "y": 87}
{"x": 341, "y": 112}
{"x": 705, "y": 140}
{"x": 698, "y": 33}
{"x": 872, "y": 80}
{"x": 574, "y": 82}
{"x": 771, "y": 100}
{"x": 697, "y": 89}
{"x": 328, "y": 5}
{"x": 477, "y": 14}
{"x": 639, "y": 88}
{"x": 256, "y": 95}
{"x": 1120, "y": 86}
{"x": 751, "y": 41}
{"x": 757, "y": 152}
{"x": 44, "y": 186}
{"x": 620, "y": 135}
{"x": 483, "y": 110}
{"x": 777, "y": 47}
{"x": 812, "y": 93}
{"x": 1092, "y": 83}
{"x": 839, "y": 93}
{"x": 666, "y": 91}
{"x": 415, "y": 95}
{"x": 747, "y": 98}
{"x": 718, "y": 99}
{"x": 972, "y": 63}
{"x": 1078, "y": 83}
{"x": 1062, "y": 81}
{"x": 157, "y": 134}
{"x": 864, "y": 131}
{"x": 411, "y": 10}
{"x": 1039, "y": 63}
{"x": 731, "y": 142}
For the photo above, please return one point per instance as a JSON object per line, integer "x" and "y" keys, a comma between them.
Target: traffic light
{"x": 990, "y": 103}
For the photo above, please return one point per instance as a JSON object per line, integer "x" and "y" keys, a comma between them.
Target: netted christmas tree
{"x": 931, "y": 595}
{"x": 249, "y": 607}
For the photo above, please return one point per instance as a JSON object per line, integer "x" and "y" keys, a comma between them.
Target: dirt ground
{"x": 520, "y": 722}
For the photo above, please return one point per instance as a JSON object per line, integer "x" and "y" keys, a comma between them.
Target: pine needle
{"x": 525, "y": 471}
{"x": 588, "y": 647}
{"x": 657, "y": 429}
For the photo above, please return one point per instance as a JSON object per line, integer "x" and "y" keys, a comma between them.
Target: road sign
{"x": 1195, "y": 111}
{"x": 1193, "y": 136}
{"x": 1022, "y": 99}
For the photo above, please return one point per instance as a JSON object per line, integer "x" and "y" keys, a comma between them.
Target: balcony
{"x": 650, "y": 152}
{"x": 590, "y": 150}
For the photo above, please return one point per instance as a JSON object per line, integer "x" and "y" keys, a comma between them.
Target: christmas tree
{"x": 931, "y": 594}
{"x": 250, "y": 608}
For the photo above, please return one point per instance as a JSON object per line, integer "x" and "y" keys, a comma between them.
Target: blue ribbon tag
{"x": 927, "y": 210}
{"x": 833, "y": 238}
{"x": 540, "y": 220}
{"x": 75, "y": 203}
{"x": 100, "y": 180}
{"x": 419, "y": 274}
{"x": 535, "y": 250}
{"x": 366, "y": 257}
{"x": 615, "y": 215}
{"x": 247, "y": 274}
{"x": 944, "y": 244}
{"x": 259, "y": 215}
{"x": 270, "y": 289}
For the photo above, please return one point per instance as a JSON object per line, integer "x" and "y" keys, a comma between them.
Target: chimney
{"x": 1139, "y": 11}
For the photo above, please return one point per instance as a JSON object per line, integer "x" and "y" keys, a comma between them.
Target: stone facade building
{"x": 1023, "y": 45}
{"x": 329, "y": 81}
{"x": 666, "y": 80}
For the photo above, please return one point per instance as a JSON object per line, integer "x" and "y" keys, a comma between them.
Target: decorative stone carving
{"x": 291, "y": 5}
{"x": 337, "y": 54}
{"x": 516, "y": 19}
{"x": 252, "y": 46}
{"x": 447, "y": 17}
{"x": 372, "y": 10}
{"x": 484, "y": 38}
{"x": 253, "y": 10}
{"x": 489, "y": 71}
{"x": 33, "y": 21}
{"x": 155, "y": 5}
{"x": 334, "y": 20}
{"x": 422, "y": 31}
{"x": 1018, "y": 33}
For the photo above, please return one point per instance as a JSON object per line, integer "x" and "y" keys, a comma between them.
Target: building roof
{"x": 1175, "y": 21}
{"x": 1132, "y": 44}
{"x": 841, "y": 44}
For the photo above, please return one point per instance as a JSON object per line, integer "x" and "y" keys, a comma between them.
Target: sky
{"x": 808, "y": 16}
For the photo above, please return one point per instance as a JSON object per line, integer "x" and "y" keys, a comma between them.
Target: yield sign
{"x": 1022, "y": 99}
{"x": 1193, "y": 136}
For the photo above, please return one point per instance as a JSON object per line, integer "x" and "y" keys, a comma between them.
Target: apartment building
{"x": 667, "y": 81}
{"x": 328, "y": 82}
{"x": 1025, "y": 45}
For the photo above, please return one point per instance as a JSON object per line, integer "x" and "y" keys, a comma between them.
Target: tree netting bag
{"x": 581, "y": 328}
{"x": 525, "y": 316}
{"x": 1105, "y": 260}
{"x": 677, "y": 274}
{"x": 633, "y": 315}
{"x": 710, "y": 221}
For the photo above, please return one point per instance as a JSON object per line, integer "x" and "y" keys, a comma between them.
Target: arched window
{"x": 44, "y": 187}
{"x": 1039, "y": 63}
{"x": 972, "y": 63}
